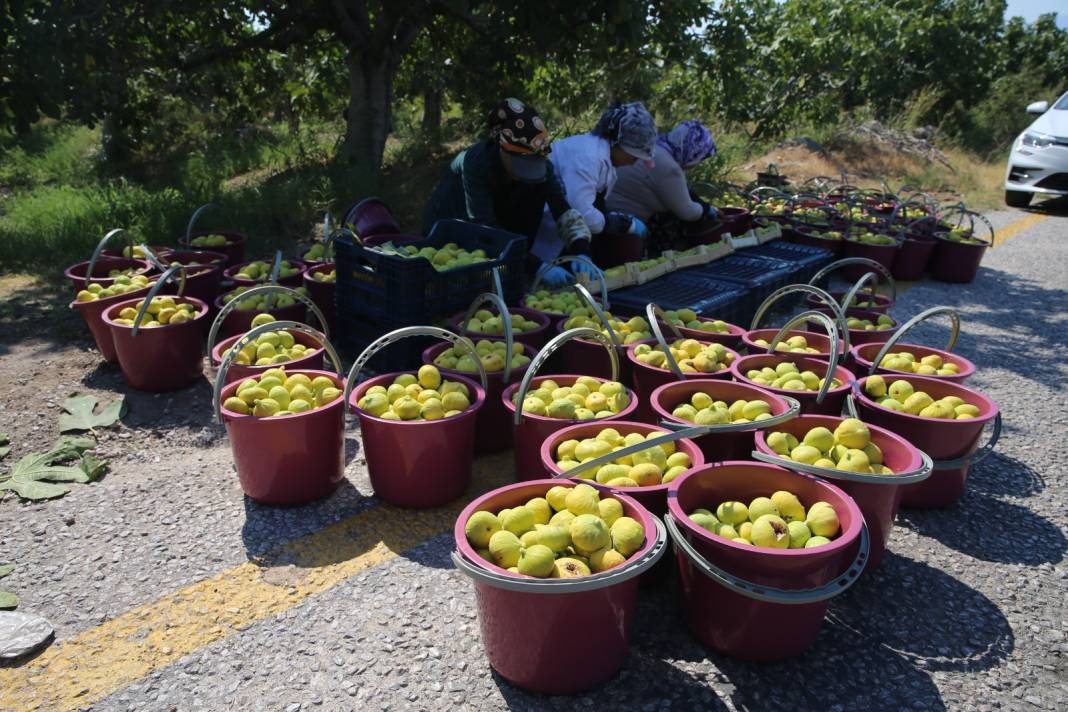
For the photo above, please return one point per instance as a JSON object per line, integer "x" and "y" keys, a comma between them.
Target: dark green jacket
{"x": 477, "y": 188}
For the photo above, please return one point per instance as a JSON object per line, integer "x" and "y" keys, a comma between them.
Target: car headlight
{"x": 1036, "y": 140}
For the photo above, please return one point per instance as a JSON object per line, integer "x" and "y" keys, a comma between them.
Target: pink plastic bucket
{"x": 202, "y": 282}
{"x": 371, "y": 216}
{"x": 883, "y": 254}
{"x": 805, "y": 236}
{"x": 954, "y": 444}
{"x": 653, "y": 497}
{"x": 913, "y": 257}
{"x": 832, "y": 402}
{"x": 861, "y": 356}
{"x": 732, "y": 339}
{"x": 528, "y": 436}
{"x": 529, "y": 625}
{"x": 493, "y": 430}
{"x": 590, "y": 358}
{"x": 755, "y": 603}
{"x": 161, "y": 358}
{"x": 535, "y": 338}
{"x": 234, "y": 249}
{"x": 76, "y": 272}
{"x": 92, "y": 313}
{"x": 882, "y": 302}
{"x": 293, "y": 280}
{"x": 815, "y": 340}
{"x": 878, "y": 496}
{"x": 863, "y": 336}
{"x": 956, "y": 262}
{"x": 646, "y": 379}
{"x": 729, "y": 443}
{"x": 419, "y": 464}
{"x": 324, "y": 294}
{"x": 238, "y": 321}
{"x": 238, "y": 372}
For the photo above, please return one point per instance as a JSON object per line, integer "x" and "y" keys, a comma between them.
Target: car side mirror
{"x": 1038, "y": 107}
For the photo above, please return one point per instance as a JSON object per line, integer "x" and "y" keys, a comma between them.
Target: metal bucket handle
{"x": 888, "y": 279}
{"x": 611, "y": 457}
{"x": 213, "y": 333}
{"x": 604, "y": 579}
{"x": 832, "y": 332}
{"x": 99, "y": 249}
{"x": 851, "y": 294}
{"x": 506, "y": 319}
{"x": 599, "y": 313}
{"x": 827, "y": 299}
{"x": 582, "y": 332}
{"x": 903, "y": 478}
{"x": 167, "y": 276}
{"x": 654, "y": 314}
{"x": 954, "y": 319}
{"x": 770, "y": 594}
{"x": 396, "y": 335}
{"x": 193, "y": 219}
{"x": 790, "y": 413}
{"x": 586, "y": 260}
{"x": 250, "y": 336}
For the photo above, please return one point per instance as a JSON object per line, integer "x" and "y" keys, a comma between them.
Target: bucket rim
{"x": 688, "y": 376}
{"x": 917, "y": 463}
{"x": 734, "y": 331}
{"x": 105, "y": 303}
{"x": 509, "y": 391}
{"x": 880, "y": 299}
{"x": 224, "y": 344}
{"x": 70, "y": 273}
{"x": 773, "y": 399}
{"x": 318, "y": 268}
{"x": 543, "y": 319}
{"x": 230, "y": 388}
{"x": 697, "y": 457}
{"x": 562, "y": 327}
{"x": 836, "y": 545}
{"x": 755, "y": 349}
{"x": 841, "y": 373}
{"x": 361, "y": 388}
{"x": 987, "y": 412}
{"x": 434, "y": 349}
{"x": 602, "y": 579}
{"x": 218, "y": 259}
{"x": 231, "y": 272}
{"x": 202, "y": 312}
{"x": 233, "y": 237}
{"x": 968, "y": 367}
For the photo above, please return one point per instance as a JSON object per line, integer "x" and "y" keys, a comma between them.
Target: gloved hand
{"x": 637, "y": 227}
{"x": 553, "y": 276}
{"x": 572, "y": 226}
{"x": 618, "y": 223}
{"x": 711, "y": 212}
{"x": 583, "y": 267}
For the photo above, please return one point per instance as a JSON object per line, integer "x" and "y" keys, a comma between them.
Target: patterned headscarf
{"x": 629, "y": 126}
{"x": 519, "y": 128}
{"x": 689, "y": 143}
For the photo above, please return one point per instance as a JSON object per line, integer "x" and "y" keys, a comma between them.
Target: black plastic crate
{"x": 355, "y": 335}
{"x": 677, "y": 290}
{"x": 390, "y": 289}
{"x": 759, "y": 276}
{"x": 805, "y": 259}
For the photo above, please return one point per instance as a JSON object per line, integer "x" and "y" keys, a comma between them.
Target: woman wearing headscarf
{"x": 646, "y": 192}
{"x": 507, "y": 182}
{"x": 586, "y": 164}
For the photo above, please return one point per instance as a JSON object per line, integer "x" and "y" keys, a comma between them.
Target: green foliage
{"x": 34, "y": 476}
{"x": 80, "y": 413}
{"x": 8, "y": 600}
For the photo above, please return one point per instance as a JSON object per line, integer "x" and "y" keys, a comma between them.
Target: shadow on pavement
{"x": 1000, "y": 474}
{"x": 990, "y": 529}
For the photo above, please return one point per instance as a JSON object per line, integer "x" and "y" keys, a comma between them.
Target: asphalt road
{"x": 171, "y": 591}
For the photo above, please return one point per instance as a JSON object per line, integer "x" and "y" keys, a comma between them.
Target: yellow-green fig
{"x": 820, "y": 438}
{"x": 799, "y": 534}
{"x": 568, "y": 567}
{"x": 554, "y": 536}
{"x": 732, "y": 512}
{"x": 815, "y": 541}
{"x": 529, "y": 538}
{"x": 822, "y": 520}
{"x": 760, "y": 507}
{"x": 556, "y": 497}
{"x": 480, "y": 527}
{"x": 771, "y": 532}
{"x": 517, "y": 520}
{"x": 504, "y": 547}
{"x": 563, "y": 518}
{"x": 610, "y": 510}
{"x": 582, "y": 499}
{"x": 852, "y": 433}
{"x": 536, "y": 560}
{"x": 875, "y": 387}
{"x": 589, "y": 533}
{"x": 727, "y": 531}
{"x": 604, "y": 559}
{"x": 705, "y": 521}
{"x": 788, "y": 505}
{"x": 627, "y": 535}
{"x": 539, "y": 507}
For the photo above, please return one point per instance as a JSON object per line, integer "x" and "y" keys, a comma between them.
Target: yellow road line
{"x": 1015, "y": 228}
{"x": 99, "y": 661}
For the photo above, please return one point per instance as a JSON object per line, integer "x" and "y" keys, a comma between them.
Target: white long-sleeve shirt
{"x": 583, "y": 163}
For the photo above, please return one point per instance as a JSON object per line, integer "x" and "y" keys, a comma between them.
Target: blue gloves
{"x": 553, "y": 276}
{"x": 711, "y": 212}
{"x": 616, "y": 223}
{"x": 637, "y": 227}
{"x": 582, "y": 267}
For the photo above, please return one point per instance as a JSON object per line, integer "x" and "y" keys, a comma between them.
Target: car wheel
{"x": 1017, "y": 198}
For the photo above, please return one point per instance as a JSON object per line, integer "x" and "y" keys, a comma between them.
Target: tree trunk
{"x": 432, "y": 113}
{"x": 368, "y": 115}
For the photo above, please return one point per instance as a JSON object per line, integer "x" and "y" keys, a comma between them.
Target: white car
{"x": 1038, "y": 162}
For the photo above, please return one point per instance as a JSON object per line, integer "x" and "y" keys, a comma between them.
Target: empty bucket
{"x": 371, "y": 216}
{"x": 555, "y": 636}
{"x": 288, "y": 459}
{"x": 758, "y": 603}
{"x": 530, "y": 430}
{"x": 417, "y": 463}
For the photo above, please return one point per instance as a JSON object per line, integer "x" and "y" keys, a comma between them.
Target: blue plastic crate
{"x": 382, "y": 288}
{"x": 759, "y": 276}
{"x": 678, "y": 290}
{"x": 805, "y": 259}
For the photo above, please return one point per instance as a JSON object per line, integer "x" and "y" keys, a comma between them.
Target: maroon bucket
{"x": 313, "y": 360}
{"x": 815, "y": 340}
{"x": 832, "y": 402}
{"x": 76, "y": 273}
{"x": 861, "y": 359}
{"x": 954, "y": 444}
{"x": 293, "y": 280}
{"x": 288, "y": 459}
{"x": 239, "y": 321}
{"x": 732, "y": 339}
{"x": 160, "y": 358}
{"x": 913, "y": 257}
{"x": 536, "y": 337}
{"x": 758, "y": 603}
{"x": 727, "y": 442}
{"x": 806, "y": 236}
{"x": 646, "y": 379}
{"x": 528, "y": 625}
{"x": 92, "y": 313}
{"x": 234, "y": 249}
{"x": 737, "y": 220}
{"x": 204, "y": 285}
{"x": 883, "y": 254}
{"x": 371, "y": 216}
{"x": 956, "y": 262}
{"x": 493, "y": 431}
{"x": 590, "y": 358}
{"x": 652, "y": 497}
{"x": 882, "y": 302}
{"x": 324, "y": 294}
{"x": 158, "y": 250}
{"x": 863, "y": 336}
{"x": 878, "y": 496}
{"x": 614, "y": 250}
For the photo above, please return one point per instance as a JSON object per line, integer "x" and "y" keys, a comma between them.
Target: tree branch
{"x": 278, "y": 35}
{"x": 355, "y": 25}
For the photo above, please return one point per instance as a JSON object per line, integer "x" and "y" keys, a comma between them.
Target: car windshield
{"x": 1062, "y": 105}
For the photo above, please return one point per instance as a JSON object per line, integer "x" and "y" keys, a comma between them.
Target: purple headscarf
{"x": 689, "y": 143}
